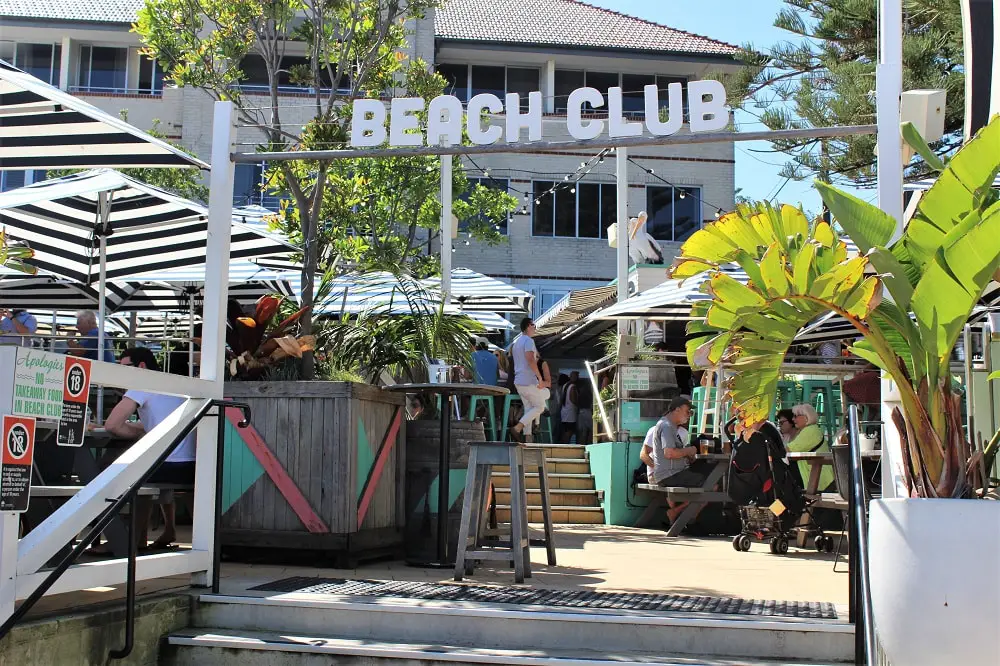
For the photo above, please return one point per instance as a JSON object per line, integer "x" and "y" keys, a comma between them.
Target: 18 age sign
{"x": 15, "y": 462}
{"x": 76, "y": 389}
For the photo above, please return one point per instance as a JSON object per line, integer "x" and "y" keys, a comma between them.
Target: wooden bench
{"x": 696, "y": 498}
{"x": 828, "y": 501}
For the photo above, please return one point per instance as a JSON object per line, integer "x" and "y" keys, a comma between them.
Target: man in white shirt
{"x": 528, "y": 380}
{"x": 178, "y": 468}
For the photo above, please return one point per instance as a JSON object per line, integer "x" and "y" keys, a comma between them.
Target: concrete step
{"x": 556, "y": 497}
{"x": 565, "y": 451}
{"x": 563, "y": 466}
{"x": 220, "y": 647}
{"x": 566, "y": 515}
{"x": 556, "y": 481}
{"x": 493, "y": 627}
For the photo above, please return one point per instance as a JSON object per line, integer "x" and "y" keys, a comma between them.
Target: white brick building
{"x": 495, "y": 46}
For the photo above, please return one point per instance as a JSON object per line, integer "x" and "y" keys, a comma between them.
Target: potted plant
{"x": 909, "y": 297}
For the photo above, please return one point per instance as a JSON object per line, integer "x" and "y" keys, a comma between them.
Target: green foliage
{"x": 931, "y": 277}
{"x": 12, "y": 256}
{"x": 826, "y": 75}
{"x": 398, "y": 338}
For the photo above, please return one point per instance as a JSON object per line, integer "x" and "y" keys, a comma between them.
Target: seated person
{"x": 153, "y": 409}
{"x": 786, "y": 424}
{"x": 810, "y": 438}
{"x": 485, "y": 364}
{"x": 669, "y": 459}
{"x": 86, "y": 324}
{"x": 17, "y": 327}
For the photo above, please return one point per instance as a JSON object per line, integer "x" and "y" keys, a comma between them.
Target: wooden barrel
{"x": 423, "y": 446}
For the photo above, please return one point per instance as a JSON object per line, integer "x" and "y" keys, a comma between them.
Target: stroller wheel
{"x": 741, "y": 542}
{"x": 773, "y": 545}
{"x": 782, "y": 546}
{"x": 828, "y": 547}
{"x": 819, "y": 543}
{"x": 736, "y": 542}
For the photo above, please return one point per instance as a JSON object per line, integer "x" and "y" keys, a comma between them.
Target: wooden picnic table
{"x": 697, "y": 498}
{"x": 816, "y": 460}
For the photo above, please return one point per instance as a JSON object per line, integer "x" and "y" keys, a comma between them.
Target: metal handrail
{"x": 597, "y": 392}
{"x": 114, "y": 508}
{"x": 864, "y": 641}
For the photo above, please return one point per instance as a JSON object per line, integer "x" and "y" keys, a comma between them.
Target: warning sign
{"x": 635, "y": 378}
{"x": 15, "y": 462}
{"x": 76, "y": 390}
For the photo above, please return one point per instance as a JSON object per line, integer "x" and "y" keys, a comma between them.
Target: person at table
{"x": 528, "y": 380}
{"x": 810, "y": 438}
{"x": 570, "y": 409}
{"x": 670, "y": 460}
{"x": 86, "y": 325}
{"x": 786, "y": 424}
{"x": 17, "y": 327}
{"x": 485, "y": 366}
{"x": 153, "y": 409}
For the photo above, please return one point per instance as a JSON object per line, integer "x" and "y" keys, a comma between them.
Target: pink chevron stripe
{"x": 380, "y": 460}
{"x": 258, "y": 447}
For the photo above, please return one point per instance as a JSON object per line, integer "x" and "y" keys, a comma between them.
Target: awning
{"x": 475, "y": 291}
{"x": 147, "y": 229}
{"x": 926, "y": 183}
{"x": 42, "y": 127}
{"x": 670, "y": 300}
{"x": 573, "y": 308}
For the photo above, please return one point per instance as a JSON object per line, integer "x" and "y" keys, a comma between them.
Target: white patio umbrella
{"x": 474, "y": 291}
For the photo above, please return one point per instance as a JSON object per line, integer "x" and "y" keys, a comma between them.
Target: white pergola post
{"x": 9, "y": 522}
{"x": 104, "y": 209}
{"x": 213, "y": 356}
{"x": 446, "y": 168}
{"x": 888, "y": 89}
{"x": 621, "y": 272}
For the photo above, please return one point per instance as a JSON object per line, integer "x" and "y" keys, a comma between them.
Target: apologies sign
{"x": 38, "y": 384}
{"x": 76, "y": 390}
{"x": 15, "y": 462}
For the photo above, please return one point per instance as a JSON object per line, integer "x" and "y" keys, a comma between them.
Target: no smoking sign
{"x": 15, "y": 462}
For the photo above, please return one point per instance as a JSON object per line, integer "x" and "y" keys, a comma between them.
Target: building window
{"x": 150, "y": 76}
{"x": 466, "y": 81}
{"x": 674, "y": 212}
{"x": 566, "y": 82}
{"x": 582, "y": 210}
{"x": 11, "y": 180}
{"x": 632, "y": 85}
{"x": 39, "y": 60}
{"x": 103, "y": 69}
{"x": 633, "y": 93}
{"x": 457, "y": 77}
{"x": 249, "y": 187}
{"x": 255, "y": 77}
{"x": 502, "y": 184}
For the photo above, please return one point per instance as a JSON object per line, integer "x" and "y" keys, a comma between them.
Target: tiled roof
{"x": 538, "y": 22}
{"x": 565, "y": 23}
{"x": 99, "y": 11}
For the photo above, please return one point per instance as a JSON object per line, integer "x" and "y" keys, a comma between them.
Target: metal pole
{"x": 530, "y": 147}
{"x": 55, "y": 326}
{"x": 444, "y": 458}
{"x": 105, "y": 212}
{"x": 865, "y": 639}
{"x": 621, "y": 272}
{"x": 446, "y": 164}
{"x": 191, "y": 333}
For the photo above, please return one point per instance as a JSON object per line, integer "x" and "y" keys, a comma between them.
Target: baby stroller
{"x": 769, "y": 493}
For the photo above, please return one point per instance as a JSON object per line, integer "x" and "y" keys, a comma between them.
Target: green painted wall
{"x": 240, "y": 468}
{"x": 612, "y": 464}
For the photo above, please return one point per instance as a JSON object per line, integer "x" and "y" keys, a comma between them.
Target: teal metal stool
{"x": 488, "y": 399}
{"x": 545, "y": 429}
{"x": 508, "y": 400}
{"x": 789, "y": 394}
{"x": 820, "y": 394}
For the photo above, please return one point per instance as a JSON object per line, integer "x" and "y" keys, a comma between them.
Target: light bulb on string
{"x": 681, "y": 194}
{"x": 572, "y": 190}
{"x": 466, "y": 242}
{"x": 566, "y": 177}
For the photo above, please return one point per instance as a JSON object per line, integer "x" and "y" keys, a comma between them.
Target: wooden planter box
{"x": 321, "y": 467}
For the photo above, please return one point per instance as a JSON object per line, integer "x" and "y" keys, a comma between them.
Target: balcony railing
{"x": 99, "y": 90}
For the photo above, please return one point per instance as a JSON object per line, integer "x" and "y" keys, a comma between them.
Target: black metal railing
{"x": 860, "y": 591}
{"x": 114, "y": 508}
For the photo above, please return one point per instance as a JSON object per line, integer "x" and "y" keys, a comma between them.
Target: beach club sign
{"x": 706, "y": 101}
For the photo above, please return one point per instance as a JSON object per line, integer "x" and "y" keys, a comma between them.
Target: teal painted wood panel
{"x": 240, "y": 470}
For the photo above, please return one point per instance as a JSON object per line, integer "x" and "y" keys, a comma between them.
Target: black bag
{"x": 640, "y": 475}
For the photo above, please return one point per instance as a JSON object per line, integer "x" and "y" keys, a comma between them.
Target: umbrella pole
{"x": 55, "y": 328}
{"x": 191, "y": 333}
{"x": 101, "y": 291}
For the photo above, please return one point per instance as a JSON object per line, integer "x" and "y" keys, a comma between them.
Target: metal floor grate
{"x": 559, "y": 598}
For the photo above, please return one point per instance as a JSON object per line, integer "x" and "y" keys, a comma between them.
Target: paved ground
{"x": 594, "y": 557}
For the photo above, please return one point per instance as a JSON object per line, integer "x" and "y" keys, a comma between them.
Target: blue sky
{"x": 738, "y": 23}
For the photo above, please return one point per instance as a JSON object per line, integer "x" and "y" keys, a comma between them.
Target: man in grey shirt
{"x": 669, "y": 458}
{"x": 528, "y": 380}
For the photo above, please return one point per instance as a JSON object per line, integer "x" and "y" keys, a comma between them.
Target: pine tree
{"x": 825, "y": 76}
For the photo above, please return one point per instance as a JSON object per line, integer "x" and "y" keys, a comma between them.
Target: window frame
{"x": 469, "y": 87}
{"x": 692, "y": 191}
{"x": 86, "y": 87}
{"x": 55, "y": 58}
{"x": 601, "y": 222}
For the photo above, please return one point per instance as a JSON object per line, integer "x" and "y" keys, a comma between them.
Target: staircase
{"x": 319, "y": 630}
{"x": 572, "y": 493}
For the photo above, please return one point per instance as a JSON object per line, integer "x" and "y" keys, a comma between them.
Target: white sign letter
{"x": 574, "y": 110}
{"x": 675, "y": 110}
{"x": 477, "y": 104}
{"x": 401, "y": 119}
{"x": 532, "y": 119}
{"x": 444, "y": 119}
{"x": 617, "y": 125}
{"x": 711, "y": 115}
{"x": 368, "y": 123}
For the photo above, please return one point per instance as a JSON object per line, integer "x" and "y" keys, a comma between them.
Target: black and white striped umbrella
{"x": 474, "y": 291}
{"x": 42, "y": 127}
{"x": 144, "y": 229}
